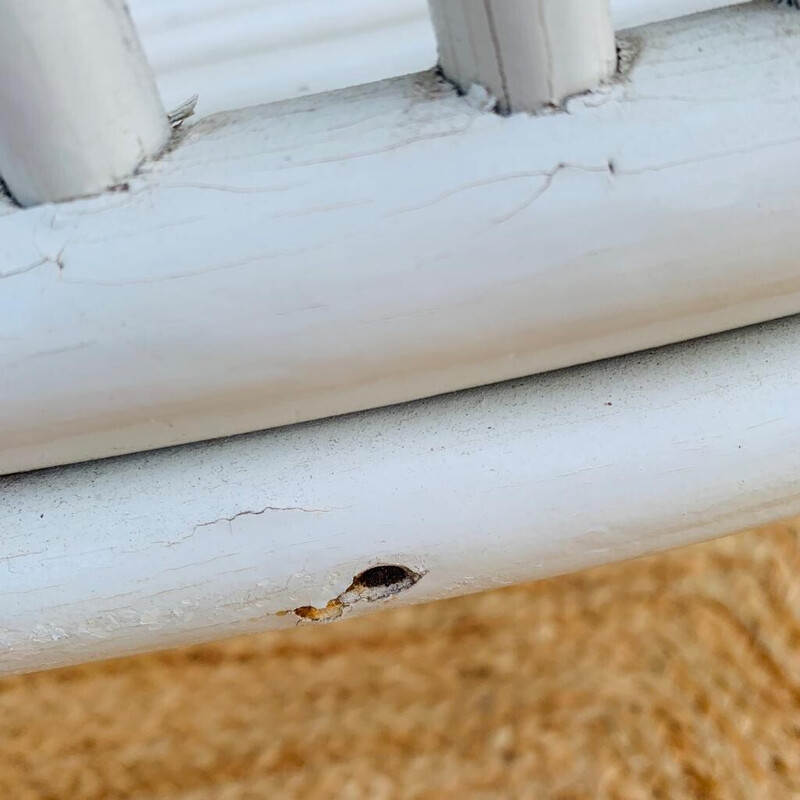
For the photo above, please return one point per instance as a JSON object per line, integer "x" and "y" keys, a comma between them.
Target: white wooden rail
{"x": 79, "y": 110}
{"x": 389, "y": 242}
{"x": 470, "y": 491}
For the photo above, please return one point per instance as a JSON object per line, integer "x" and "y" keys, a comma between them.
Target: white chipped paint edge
{"x": 234, "y": 54}
{"x": 527, "y": 54}
{"x": 390, "y": 242}
{"x": 473, "y": 491}
{"x": 79, "y": 105}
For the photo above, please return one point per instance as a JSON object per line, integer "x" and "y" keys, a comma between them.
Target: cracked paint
{"x": 241, "y": 514}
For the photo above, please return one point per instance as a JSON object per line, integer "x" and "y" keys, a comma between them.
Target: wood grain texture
{"x": 390, "y": 242}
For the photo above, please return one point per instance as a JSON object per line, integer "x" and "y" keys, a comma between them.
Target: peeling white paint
{"x": 529, "y": 54}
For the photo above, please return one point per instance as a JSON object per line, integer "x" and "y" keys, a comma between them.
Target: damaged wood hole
{"x": 376, "y": 583}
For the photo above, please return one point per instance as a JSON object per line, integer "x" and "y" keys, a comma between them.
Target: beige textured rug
{"x": 672, "y": 677}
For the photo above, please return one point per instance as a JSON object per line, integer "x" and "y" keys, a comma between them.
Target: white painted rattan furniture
{"x": 369, "y": 248}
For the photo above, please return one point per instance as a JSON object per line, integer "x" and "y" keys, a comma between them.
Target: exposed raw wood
{"x": 470, "y": 491}
{"x": 390, "y": 242}
{"x": 79, "y": 109}
{"x": 528, "y": 54}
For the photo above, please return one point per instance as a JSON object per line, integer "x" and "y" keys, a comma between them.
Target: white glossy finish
{"x": 391, "y": 242}
{"x": 79, "y": 109}
{"x": 477, "y": 490}
{"x": 527, "y": 54}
